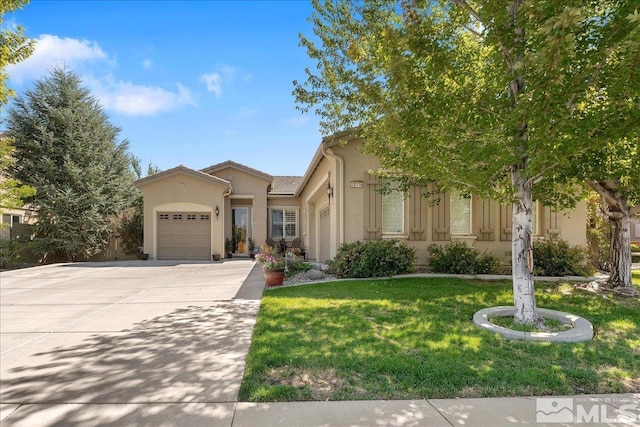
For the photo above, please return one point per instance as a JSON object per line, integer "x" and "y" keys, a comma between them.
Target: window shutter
{"x": 290, "y": 218}
{"x": 372, "y": 208}
{"x": 441, "y": 217}
{"x": 485, "y": 218}
{"x": 417, "y": 213}
{"x": 506, "y": 222}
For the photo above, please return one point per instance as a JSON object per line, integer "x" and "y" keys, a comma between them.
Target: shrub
{"x": 373, "y": 258}
{"x": 296, "y": 266}
{"x": 460, "y": 258}
{"x": 555, "y": 257}
{"x": 16, "y": 253}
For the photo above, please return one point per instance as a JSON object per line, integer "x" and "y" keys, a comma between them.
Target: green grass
{"x": 551, "y": 325}
{"x": 413, "y": 338}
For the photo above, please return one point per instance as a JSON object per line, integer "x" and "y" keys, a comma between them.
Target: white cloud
{"x": 53, "y": 51}
{"x": 146, "y": 64}
{"x": 220, "y": 79}
{"x": 213, "y": 81}
{"x": 139, "y": 100}
{"x": 94, "y": 66}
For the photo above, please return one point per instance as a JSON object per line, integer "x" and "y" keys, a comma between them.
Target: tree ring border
{"x": 582, "y": 329}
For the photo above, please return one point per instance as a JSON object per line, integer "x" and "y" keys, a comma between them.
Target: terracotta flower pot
{"x": 274, "y": 277}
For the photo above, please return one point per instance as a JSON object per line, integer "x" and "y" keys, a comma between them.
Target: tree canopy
{"x": 68, "y": 151}
{"x": 436, "y": 85}
{"x": 14, "y": 47}
{"x": 498, "y": 98}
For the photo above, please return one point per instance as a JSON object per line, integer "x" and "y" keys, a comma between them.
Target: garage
{"x": 324, "y": 235}
{"x": 184, "y": 235}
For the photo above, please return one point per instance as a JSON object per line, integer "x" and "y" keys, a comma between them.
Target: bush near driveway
{"x": 414, "y": 339}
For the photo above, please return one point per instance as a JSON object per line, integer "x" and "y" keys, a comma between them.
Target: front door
{"x": 240, "y": 230}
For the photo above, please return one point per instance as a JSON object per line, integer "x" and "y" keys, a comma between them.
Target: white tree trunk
{"x": 620, "y": 253}
{"x": 524, "y": 298}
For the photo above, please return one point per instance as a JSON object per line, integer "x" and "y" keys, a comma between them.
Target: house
{"x": 14, "y": 220}
{"x": 635, "y": 230}
{"x": 188, "y": 214}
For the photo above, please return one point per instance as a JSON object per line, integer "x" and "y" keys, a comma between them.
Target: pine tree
{"x": 68, "y": 151}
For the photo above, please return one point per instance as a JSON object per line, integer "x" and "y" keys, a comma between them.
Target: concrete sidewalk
{"x": 592, "y": 410}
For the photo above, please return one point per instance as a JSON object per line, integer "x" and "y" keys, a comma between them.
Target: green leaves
{"x": 67, "y": 149}
{"x": 430, "y": 87}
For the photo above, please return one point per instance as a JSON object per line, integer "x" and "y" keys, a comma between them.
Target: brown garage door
{"x": 324, "y": 235}
{"x": 184, "y": 235}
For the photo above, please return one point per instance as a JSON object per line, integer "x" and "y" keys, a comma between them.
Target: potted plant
{"x": 228, "y": 247}
{"x": 252, "y": 248}
{"x": 273, "y": 266}
{"x": 215, "y": 257}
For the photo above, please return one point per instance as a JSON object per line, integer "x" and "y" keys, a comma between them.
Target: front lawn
{"x": 413, "y": 338}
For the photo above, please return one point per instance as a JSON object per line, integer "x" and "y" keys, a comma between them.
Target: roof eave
{"x": 177, "y": 170}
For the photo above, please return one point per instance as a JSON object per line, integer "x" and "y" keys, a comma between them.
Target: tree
{"x": 15, "y": 47}
{"x": 483, "y": 97}
{"x": 67, "y": 149}
{"x": 614, "y": 173}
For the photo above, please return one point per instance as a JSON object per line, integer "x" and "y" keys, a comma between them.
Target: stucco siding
{"x": 182, "y": 193}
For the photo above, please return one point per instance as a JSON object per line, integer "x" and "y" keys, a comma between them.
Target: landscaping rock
{"x": 314, "y": 274}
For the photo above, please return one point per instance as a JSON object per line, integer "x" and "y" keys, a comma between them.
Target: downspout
{"x": 341, "y": 201}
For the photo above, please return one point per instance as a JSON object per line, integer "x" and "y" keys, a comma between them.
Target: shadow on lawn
{"x": 190, "y": 356}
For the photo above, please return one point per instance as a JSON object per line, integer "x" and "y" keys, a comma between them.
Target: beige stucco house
{"x": 188, "y": 214}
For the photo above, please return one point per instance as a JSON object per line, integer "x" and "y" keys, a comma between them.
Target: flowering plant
{"x": 269, "y": 259}
{"x": 294, "y": 253}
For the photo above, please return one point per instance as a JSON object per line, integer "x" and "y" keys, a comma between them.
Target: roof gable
{"x": 184, "y": 171}
{"x": 233, "y": 165}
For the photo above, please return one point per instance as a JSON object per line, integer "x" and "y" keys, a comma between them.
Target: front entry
{"x": 240, "y": 230}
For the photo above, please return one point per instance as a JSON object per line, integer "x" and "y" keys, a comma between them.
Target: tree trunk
{"x": 524, "y": 298}
{"x": 615, "y": 206}
{"x": 620, "y": 253}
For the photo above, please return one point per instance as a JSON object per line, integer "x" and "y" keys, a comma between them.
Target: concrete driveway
{"x": 144, "y": 343}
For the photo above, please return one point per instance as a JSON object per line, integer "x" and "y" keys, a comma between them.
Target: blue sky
{"x": 188, "y": 82}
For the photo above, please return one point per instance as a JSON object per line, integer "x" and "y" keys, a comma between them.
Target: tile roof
{"x": 285, "y": 185}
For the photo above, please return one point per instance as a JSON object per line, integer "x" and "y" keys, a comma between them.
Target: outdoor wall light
{"x": 217, "y": 212}
{"x": 329, "y": 192}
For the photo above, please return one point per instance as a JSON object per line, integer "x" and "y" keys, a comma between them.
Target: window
{"x": 284, "y": 223}
{"x": 393, "y": 212}
{"x": 204, "y": 217}
{"x": 11, "y": 219}
{"x": 460, "y": 218}
{"x": 177, "y": 216}
{"x": 191, "y": 217}
{"x": 164, "y": 216}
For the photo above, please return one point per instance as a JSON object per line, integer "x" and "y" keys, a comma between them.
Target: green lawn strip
{"x": 413, "y": 338}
